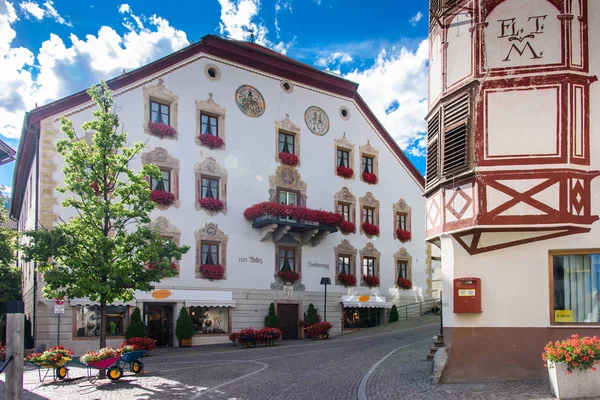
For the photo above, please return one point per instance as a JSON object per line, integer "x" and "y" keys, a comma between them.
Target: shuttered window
{"x": 433, "y": 139}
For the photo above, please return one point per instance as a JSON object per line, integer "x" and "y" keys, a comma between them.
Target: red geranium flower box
{"x": 289, "y": 159}
{"x": 347, "y": 279}
{"x": 289, "y": 277}
{"x": 345, "y": 172}
{"x": 211, "y": 204}
{"x": 348, "y": 227}
{"x": 403, "y": 236}
{"x": 369, "y": 177}
{"x": 370, "y": 229}
{"x": 371, "y": 281}
{"x": 404, "y": 283}
{"x": 162, "y": 130}
{"x": 162, "y": 197}
{"x": 211, "y": 141}
{"x": 294, "y": 212}
{"x": 212, "y": 271}
{"x": 318, "y": 329}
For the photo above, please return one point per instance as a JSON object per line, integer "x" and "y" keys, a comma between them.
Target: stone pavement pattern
{"x": 321, "y": 369}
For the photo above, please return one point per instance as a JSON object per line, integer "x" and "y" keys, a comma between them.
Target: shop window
{"x": 88, "y": 320}
{"x": 210, "y": 320}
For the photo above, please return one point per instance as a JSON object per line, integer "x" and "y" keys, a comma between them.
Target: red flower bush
{"x": 347, "y": 279}
{"x": 369, "y": 177}
{"x": 318, "y": 329}
{"x": 289, "y": 159}
{"x": 211, "y": 141}
{"x": 345, "y": 172}
{"x": 404, "y": 283}
{"x": 251, "y": 335}
{"x": 578, "y": 353}
{"x": 347, "y": 227}
{"x": 294, "y": 212}
{"x": 371, "y": 281}
{"x": 140, "y": 343}
{"x": 212, "y": 271}
{"x": 233, "y": 336}
{"x": 162, "y": 197}
{"x": 289, "y": 277}
{"x": 370, "y": 229}
{"x": 211, "y": 204}
{"x": 403, "y": 236}
{"x": 162, "y": 130}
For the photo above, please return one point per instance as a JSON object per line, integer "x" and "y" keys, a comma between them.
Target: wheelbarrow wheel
{"x": 114, "y": 374}
{"x": 61, "y": 372}
{"x": 325, "y": 335}
{"x": 136, "y": 367}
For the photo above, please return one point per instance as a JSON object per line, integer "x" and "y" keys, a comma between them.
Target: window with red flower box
{"x": 369, "y": 218}
{"x": 345, "y": 204}
{"x": 210, "y": 187}
{"x": 344, "y": 158}
{"x": 369, "y": 261}
{"x": 345, "y": 258}
{"x": 402, "y": 221}
{"x": 288, "y": 258}
{"x": 211, "y": 252}
{"x": 369, "y": 167}
{"x": 287, "y": 141}
{"x": 160, "y": 111}
{"x": 210, "y": 124}
{"x": 165, "y": 188}
{"x": 403, "y": 267}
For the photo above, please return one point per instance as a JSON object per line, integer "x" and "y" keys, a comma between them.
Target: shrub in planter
{"x": 369, "y": 177}
{"x": 348, "y": 227}
{"x": 310, "y": 316}
{"x": 289, "y": 159}
{"x": 212, "y": 271}
{"x": 319, "y": 329}
{"x": 371, "y": 281}
{"x": 271, "y": 319}
{"x": 210, "y": 141}
{"x": 370, "y": 229}
{"x": 136, "y": 327}
{"x": 347, "y": 279}
{"x": 403, "y": 236}
{"x": 394, "y": 313}
{"x": 162, "y": 197}
{"x": 140, "y": 343}
{"x": 185, "y": 328}
{"x": 345, "y": 172}
{"x": 211, "y": 204}
{"x": 161, "y": 130}
{"x": 404, "y": 283}
{"x": 289, "y": 277}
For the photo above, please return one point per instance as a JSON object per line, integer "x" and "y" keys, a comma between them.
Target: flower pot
{"x": 578, "y": 384}
{"x": 185, "y": 342}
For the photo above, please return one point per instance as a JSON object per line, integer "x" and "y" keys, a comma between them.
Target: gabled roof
{"x": 244, "y": 53}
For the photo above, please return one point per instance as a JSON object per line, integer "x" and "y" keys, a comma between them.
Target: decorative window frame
{"x": 369, "y": 200}
{"x": 166, "y": 229}
{"x": 402, "y": 255}
{"x": 162, "y": 159}
{"x": 369, "y": 251}
{"x": 211, "y": 234}
{"x": 345, "y": 196}
{"x": 210, "y": 168}
{"x": 287, "y": 177}
{"x": 289, "y": 241}
{"x": 287, "y": 126}
{"x": 402, "y": 208}
{"x": 344, "y": 144}
{"x": 369, "y": 151}
{"x": 345, "y": 249}
{"x": 213, "y": 109}
{"x": 163, "y": 95}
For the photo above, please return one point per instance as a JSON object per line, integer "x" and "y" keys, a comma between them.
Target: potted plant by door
{"x": 185, "y": 328}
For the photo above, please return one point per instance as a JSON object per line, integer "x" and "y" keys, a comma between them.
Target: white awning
{"x": 191, "y": 298}
{"x": 88, "y": 302}
{"x": 210, "y": 303}
{"x": 364, "y": 301}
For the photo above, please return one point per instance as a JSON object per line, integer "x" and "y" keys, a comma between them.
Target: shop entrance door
{"x": 159, "y": 322}
{"x": 288, "y": 320}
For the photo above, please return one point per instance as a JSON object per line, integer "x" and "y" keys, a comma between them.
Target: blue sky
{"x": 50, "y": 49}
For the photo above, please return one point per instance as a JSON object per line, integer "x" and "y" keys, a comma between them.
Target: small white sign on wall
{"x": 288, "y": 292}
{"x": 59, "y": 309}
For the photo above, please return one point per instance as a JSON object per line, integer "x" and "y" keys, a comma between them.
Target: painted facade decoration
{"x": 250, "y": 101}
{"x": 316, "y": 120}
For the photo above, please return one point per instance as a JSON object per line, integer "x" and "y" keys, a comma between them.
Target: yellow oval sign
{"x": 363, "y": 299}
{"x": 161, "y": 294}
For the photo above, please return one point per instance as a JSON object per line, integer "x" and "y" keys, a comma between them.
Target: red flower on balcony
{"x": 403, "y": 235}
{"x": 347, "y": 227}
{"x": 294, "y": 212}
{"x": 347, "y": 279}
{"x": 289, "y": 277}
{"x": 152, "y": 265}
{"x": 211, "y": 204}
{"x": 162, "y": 197}
{"x": 404, "y": 283}
{"x": 289, "y": 159}
{"x": 212, "y": 271}
{"x": 345, "y": 172}
{"x": 369, "y": 177}
{"x": 211, "y": 141}
{"x": 162, "y": 130}
{"x": 371, "y": 281}
{"x": 370, "y": 229}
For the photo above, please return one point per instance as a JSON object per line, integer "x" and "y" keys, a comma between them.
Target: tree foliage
{"x": 136, "y": 327}
{"x": 103, "y": 251}
{"x": 10, "y": 276}
{"x": 271, "y": 319}
{"x": 394, "y": 314}
{"x": 185, "y": 325}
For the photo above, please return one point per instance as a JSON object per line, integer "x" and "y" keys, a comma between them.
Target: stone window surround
{"x": 163, "y": 95}
{"x": 285, "y": 173}
{"x": 402, "y": 208}
{"x": 369, "y": 200}
{"x": 345, "y": 249}
{"x": 402, "y": 255}
{"x": 167, "y": 230}
{"x": 211, "y": 234}
{"x": 210, "y": 168}
{"x": 211, "y": 108}
{"x": 344, "y": 144}
{"x": 161, "y": 158}
{"x": 369, "y": 151}
{"x": 345, "y": 196}
{"x": 369, "y": 251}
{"x": 289, "y": 242}
{"x": 287, "y": 126}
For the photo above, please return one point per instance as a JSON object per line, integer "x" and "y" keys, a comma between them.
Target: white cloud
{"x": 67, "y": 67}
{"x": 31, "y": 8}
{"x": 124, "y": 8}
{"x": 50, "y": 10}
{"x": 416, "y": 18}
{"x": 398, "y": 78}
{"x": 338, "y": 57}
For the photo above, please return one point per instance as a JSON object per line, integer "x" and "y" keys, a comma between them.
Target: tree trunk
{"x": 102, "y": 323}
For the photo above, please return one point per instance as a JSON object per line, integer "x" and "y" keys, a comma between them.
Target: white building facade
{"x": 259, "y": 103}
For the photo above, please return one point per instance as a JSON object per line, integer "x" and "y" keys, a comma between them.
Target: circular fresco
{"x": 250, "y": 101}
{"x": 317, "y": 120}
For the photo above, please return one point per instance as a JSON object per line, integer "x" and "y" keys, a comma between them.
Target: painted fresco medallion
{"x": 316, "y": 120}
{"x": 288, "y": 176}
{"x": 250, "y": 101}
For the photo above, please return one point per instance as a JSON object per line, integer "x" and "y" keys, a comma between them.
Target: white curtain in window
{"x": 581, "y": 285}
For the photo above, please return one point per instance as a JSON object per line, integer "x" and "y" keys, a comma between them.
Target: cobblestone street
{"x": 381, "y": 363}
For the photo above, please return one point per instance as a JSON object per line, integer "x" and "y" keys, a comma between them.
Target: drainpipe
{"x": 37, "y": 208}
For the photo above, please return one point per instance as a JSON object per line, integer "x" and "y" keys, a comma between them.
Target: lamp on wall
{"x": 325, "y": 281}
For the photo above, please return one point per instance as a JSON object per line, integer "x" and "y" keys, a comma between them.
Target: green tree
{"x": 310, "y": 316}
{"x": 185, "y": 325}
{"x": 394, "y": 314}
{"x": 136, "y": 327}
{"x": 271, "y": 319}
{"x": 10, "y": 276}
{"x": 104, "y": 251}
